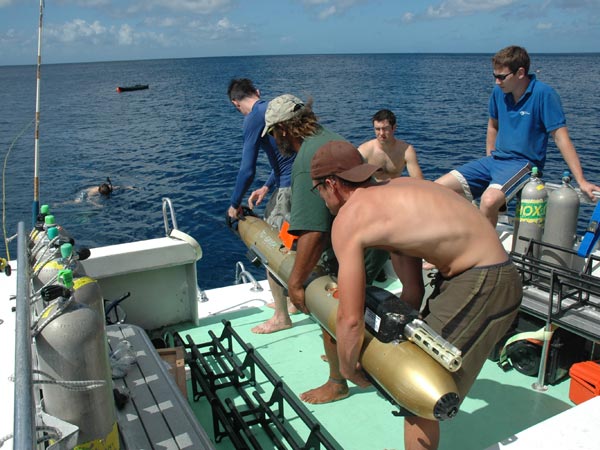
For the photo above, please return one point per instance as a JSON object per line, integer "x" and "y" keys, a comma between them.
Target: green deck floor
{"x": 499, "y": 405}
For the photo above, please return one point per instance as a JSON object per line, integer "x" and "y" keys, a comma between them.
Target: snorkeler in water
{"x": 106, "y": 188}
{"x": 93, "y": 193}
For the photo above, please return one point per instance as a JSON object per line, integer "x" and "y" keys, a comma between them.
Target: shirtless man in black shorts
{"x": 479, "y": 289}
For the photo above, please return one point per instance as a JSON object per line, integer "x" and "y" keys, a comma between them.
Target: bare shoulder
{"x": 366, "y": 148}
{"x": 370, "y": 215}
{"x": 364, "y": 204}
{"x": 356, "y": 214}
{"x": 401, "y": 145}
{"x": 410, "y": 153}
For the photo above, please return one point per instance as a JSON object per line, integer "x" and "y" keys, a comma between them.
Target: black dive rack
{"x": 224, "y": 370}
{"x": 567, "y": 295}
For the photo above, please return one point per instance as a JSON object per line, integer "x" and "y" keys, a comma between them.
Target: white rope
{"x": 75, "y": 385}
{"x": 78, "y": 386}
{"x": 4, "y": 187}
{"x": 8, "y": 437}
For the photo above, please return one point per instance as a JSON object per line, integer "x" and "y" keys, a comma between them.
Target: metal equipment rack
{"x": 224, "y": 369}
{"x": 562, "y": 296}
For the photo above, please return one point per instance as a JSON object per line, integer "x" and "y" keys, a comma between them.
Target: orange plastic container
{"x": 585, "y": 381}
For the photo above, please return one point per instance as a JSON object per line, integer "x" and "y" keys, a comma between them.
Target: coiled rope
{"x": 4, "y": 185}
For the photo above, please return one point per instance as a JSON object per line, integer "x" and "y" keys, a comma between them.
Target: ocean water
{"x": 182, "y": 138}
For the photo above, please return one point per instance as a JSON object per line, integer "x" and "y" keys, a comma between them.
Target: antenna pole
{"x": 36, "y": 182}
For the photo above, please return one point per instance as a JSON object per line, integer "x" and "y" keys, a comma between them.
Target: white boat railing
{"x": 24, "y": 404}
{"x": 166, "y": 201}
{"x": 243, "y": 276}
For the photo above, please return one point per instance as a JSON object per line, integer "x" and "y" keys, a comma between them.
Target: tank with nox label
{"x": 530, "y": 215}
{"x": 405, "y": 372}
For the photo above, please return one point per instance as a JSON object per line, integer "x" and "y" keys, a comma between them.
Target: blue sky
{"x": 104, "y": 30}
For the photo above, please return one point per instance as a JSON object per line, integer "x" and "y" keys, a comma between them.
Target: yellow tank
{"x": 410, "y": 377}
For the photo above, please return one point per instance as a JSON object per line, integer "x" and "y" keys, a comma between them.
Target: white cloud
{"x": 9, "y": 37}
{"x": 189, "y": 6}
{"x": 79, "y": 31}
{"x": 222, "y": 29}
{"x": 161, "y": 22}
{"x": 76, "y": 30}
{"x": 128, "y": 36}
{"x": 91, "y": 3}
{"x": 195, "y": 6}
{"x": 125, "y": 35}
{"x": 575, "y": 4}
{"x": 452, "y": 8}
{"x": 324, "y": 14}
{"x": 225, "y": 24}
{"x": 327, "y": 8}
{"x": 408, "y": 17}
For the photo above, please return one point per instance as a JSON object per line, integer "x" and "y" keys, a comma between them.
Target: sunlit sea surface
{"x": 182, "y": 138}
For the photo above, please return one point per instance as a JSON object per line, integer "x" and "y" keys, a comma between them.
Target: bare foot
{"x": 331, "y": 391}
{"x": 290, "y": 307}
{"x": 272, "y": 325}
{"x": 428, "y": 266}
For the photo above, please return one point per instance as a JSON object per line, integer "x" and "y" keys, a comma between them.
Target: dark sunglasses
{"x": 503, "y": 76}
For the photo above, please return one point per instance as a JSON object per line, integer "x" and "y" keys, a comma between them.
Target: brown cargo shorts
{"x": 473, "y": 311}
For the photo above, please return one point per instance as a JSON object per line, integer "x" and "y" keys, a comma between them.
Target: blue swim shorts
{"x": 507, "y": 175}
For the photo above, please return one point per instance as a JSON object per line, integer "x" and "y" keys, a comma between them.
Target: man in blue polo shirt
{"x": 523, "y": 112}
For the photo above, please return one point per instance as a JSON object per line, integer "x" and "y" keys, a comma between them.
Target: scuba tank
{"x": 44, "y": 243}
{"x": 39, "y": 228}
{"x": 46, "y": 247}
{"x": 561, "y": 223}
{"x": 530, "y": 214}
{"x": 39, "y": 235}
{"x": 46, "y": 270}
{"x": 72, "y": 346}
{"x": 86, "y": 291}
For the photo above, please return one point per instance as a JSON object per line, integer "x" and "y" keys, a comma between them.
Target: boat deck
{"x": 500, "y": 404}
{"x": 497, "y": 413}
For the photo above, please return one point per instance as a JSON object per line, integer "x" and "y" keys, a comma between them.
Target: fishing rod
{"x": 36, "y": 165}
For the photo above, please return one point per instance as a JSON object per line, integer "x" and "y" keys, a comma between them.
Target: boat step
{"x": 156, "y": 414}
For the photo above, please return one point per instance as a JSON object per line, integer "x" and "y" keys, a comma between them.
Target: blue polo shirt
{"x": 281, "y": 173}
{"x": 523, "y": 127}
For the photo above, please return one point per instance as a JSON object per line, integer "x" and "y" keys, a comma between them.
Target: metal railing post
{"x": 24, "y": 427}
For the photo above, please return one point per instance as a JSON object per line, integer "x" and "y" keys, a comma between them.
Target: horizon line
{"x": 289, "y": 54}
